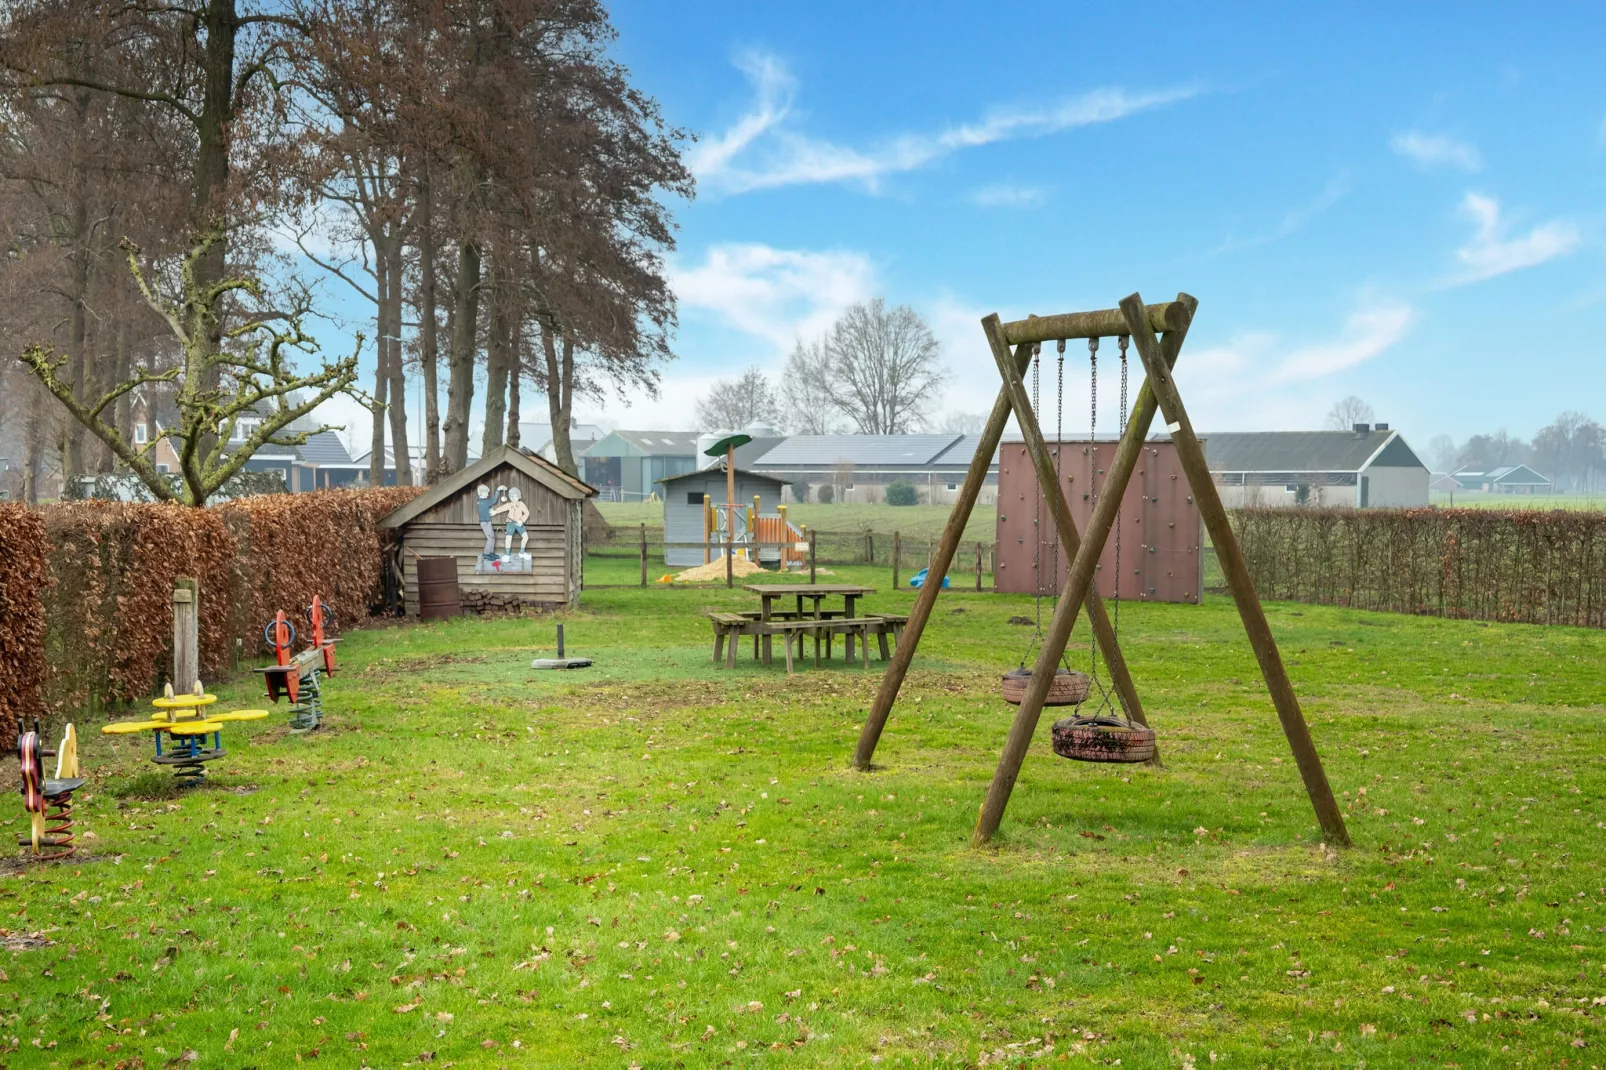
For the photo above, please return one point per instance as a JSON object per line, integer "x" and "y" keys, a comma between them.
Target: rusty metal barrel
{"x": 438, "y": 596}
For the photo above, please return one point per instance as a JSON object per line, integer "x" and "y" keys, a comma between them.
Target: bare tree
{"x": 807, "y": 392}
{"x": 1347, "y": 413}
{"x": 733, "y": 404}
{"x": 887, "y": 367}
{"x": 258, "y": 387}
{"x": 1442, "y": 450}
{"x": 962, "y": 423}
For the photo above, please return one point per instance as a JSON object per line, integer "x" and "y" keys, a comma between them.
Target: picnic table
{"x": 816, "y": 593}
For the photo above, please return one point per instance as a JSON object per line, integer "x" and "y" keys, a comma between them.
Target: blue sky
{"x": 1400, "y": 206}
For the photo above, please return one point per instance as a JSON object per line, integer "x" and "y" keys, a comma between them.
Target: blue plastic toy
{"x": 919, "y": 580}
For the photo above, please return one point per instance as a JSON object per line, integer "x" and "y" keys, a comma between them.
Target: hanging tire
{"x": 1068, "y": 689}
{"x": 1102, "y": 739}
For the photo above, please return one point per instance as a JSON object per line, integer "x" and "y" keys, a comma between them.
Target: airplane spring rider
{"x": 179, "y": 717}
{"x": 298, "y": 676}
{"x": 48, "y": 800}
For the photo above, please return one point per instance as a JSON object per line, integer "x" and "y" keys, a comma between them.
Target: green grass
{"x": 913, "y": 521}
{"x": 656, "y": 863}
{"x": 1483, "y": 500}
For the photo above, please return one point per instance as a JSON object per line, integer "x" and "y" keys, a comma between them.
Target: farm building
{"x": 858, "y": 467}
{"x": 1510, "y": 479}
{"x": 513, "y": 522}
{"x": 1159, "y": 546}
{"x": 1370, "y": 466}
{"x": 683, "y": 509}
{"x": 626, "y": 466}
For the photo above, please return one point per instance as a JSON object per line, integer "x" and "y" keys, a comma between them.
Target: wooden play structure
{"x": 48, "y": 800}
{"x": 180, "y": 719}
{"x": 1157, "y": 332}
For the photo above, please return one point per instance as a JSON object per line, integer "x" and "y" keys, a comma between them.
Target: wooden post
{"x": 812, "y": 534}
{"x": 708, "y": 529}
{"x": 897, "y": 554}
{"x": 186, "y": 634}
{"x": 1230, "y": 556}
{"x": 1079, "y": 581}
{"x": 644, "y": 555}
{"x": 730, "y": 517}
{"x": 978, "y": 566}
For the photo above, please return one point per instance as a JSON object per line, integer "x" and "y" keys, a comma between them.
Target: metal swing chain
{"x": 1092, "y": 481}
{"x": 1122, "y": 341}
{"x": 1059, "y": 436}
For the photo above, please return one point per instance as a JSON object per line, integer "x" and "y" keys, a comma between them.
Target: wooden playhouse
{"x": 512, "y": 523}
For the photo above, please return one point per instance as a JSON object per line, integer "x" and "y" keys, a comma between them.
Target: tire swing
{"x": 1070, "y": 687}
{"x": 1105, "y": 735}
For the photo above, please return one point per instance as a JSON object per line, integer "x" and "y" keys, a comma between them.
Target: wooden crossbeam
{"x": 1105, "y": 323}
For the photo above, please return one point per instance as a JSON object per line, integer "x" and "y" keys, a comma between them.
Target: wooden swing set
{"x": 1157, "y": 332}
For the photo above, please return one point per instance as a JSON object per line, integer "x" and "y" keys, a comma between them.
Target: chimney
{"x": 1380, "y": 427}
{"x": 1360, "y": 429}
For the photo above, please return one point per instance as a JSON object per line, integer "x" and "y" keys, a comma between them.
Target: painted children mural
{"x": 483, "y": 494}
{"x": 510, "y": 504}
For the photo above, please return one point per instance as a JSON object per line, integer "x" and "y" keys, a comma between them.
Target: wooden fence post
{"x": 897, "y": 553}
{"x": 978, "y": 566}
{"x": 812, "y": 534}
{"x": 644, "y": 555}
{"x": 186, "y": 634}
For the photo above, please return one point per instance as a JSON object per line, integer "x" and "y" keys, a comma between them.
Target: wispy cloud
{"x": 1437, "y": 150}
{"x": 1368, "y": 332}
{"x": 1491, "y": 253}
{"x": 1007, "y": 195}
{"x": 761, "y": 151}
{"x": 774, "y": 294}
{"x": 1292, "y": 222}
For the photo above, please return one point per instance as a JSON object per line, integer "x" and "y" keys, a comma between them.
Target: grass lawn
{"x": 658, "y": 864}
{"x": 1483, "y": 500}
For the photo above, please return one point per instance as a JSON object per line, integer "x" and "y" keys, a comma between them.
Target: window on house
{"x": 141, "y": 434}
{"x": 953, "y": 486}
{"x": 161, "y": 468}
{"x": 693, "y": 498}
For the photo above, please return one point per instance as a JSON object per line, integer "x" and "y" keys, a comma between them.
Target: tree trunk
{"x": 427, "y": 339}
{"x": 392, "y": 297}
{"x": 78, "y": 353}
{"x": 515, "y": 372}
{"x": 376, "y": 452}
{"x": 33, "y": 445}
{"x": 460, "y": 384}
{"x": 560, "y": 396}
{"x": 497, "y": 357}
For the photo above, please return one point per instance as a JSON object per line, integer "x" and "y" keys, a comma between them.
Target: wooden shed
{"x": 513, "y": 522}
{"x": 683, "y": 510}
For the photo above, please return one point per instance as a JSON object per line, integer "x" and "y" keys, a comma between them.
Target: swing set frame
{"x": 1157, "y": 332}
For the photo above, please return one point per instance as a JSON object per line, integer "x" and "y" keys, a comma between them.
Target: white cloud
{"x": 1368, "y": 332}
{"x": 1490, "y": 253}
{"x": 759, "y": 152}
{"x": 1437, "y": 150}
{"x": 1292, "y": 221}
{"x": 1007, "y": 195}
{"x": 774, "y": 294}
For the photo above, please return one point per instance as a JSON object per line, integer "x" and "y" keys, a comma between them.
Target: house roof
{"x": 1294, "y": 451}
{"x": 754, "y": 451}
{"x": 537, "y": 468}
{"x": 323, "y": 448}
{"x": 964, "y": 450}
{"x": 719, "y": 470}
{"x": 826, "y": 450}
{"x": 1515, "y": 474}
{"x": 652, "y": 443}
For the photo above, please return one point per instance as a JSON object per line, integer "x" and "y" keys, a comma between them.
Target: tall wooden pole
{"x": 644, "y": 555}
{"x": 1230, "y": 556}
{"x": 730, "y": 514}
{"x": 953, "y": 532}
{"x": 1078, "y": 581}
{"x": 186, "y": 634}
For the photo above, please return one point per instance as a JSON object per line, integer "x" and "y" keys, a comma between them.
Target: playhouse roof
{"x": 719, "y": 471}
{"x": 537, "y": 468}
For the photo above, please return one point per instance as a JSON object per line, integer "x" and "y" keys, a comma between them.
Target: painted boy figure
{"x": 483, "y": 493}
{"x": 510, "y": 502}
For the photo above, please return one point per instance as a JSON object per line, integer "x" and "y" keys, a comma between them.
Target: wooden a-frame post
{"x": 1158, "y": 392}
{"x": 948, "y": 546}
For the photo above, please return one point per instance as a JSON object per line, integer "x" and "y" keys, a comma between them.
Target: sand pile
{"x": 715, "y": 570}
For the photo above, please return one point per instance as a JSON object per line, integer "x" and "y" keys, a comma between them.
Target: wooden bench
{"x": 894, "y": 623}
{"x": 862, "y": 627}
{"x": 730, "y": 627}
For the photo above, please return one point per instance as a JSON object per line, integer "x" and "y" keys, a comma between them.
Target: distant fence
{"x": 1478, "y": 564}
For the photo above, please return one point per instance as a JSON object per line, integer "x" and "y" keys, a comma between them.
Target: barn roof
{"x": 1294, "y": 451}
{"x": 537, "y": 468}
{"x": 649, "y": 443}
{"x": 817, "y": 450}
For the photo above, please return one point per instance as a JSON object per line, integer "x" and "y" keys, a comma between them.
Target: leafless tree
{"x": 962, "y": 423}
{"x": 807, "y": 392}
{"x": 887, "y": 367}
{"x": 733, "y": 404}
{"x": 1347, "y": 413}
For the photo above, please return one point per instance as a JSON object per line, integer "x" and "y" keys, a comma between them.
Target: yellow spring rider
{"x": 182, "y": 720}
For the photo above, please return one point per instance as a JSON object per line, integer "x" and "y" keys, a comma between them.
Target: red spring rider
{"x": 282, "y": 676}
{"x": 319, "y": 616}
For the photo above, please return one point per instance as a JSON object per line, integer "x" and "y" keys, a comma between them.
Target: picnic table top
{"x": 770, "y": 590}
